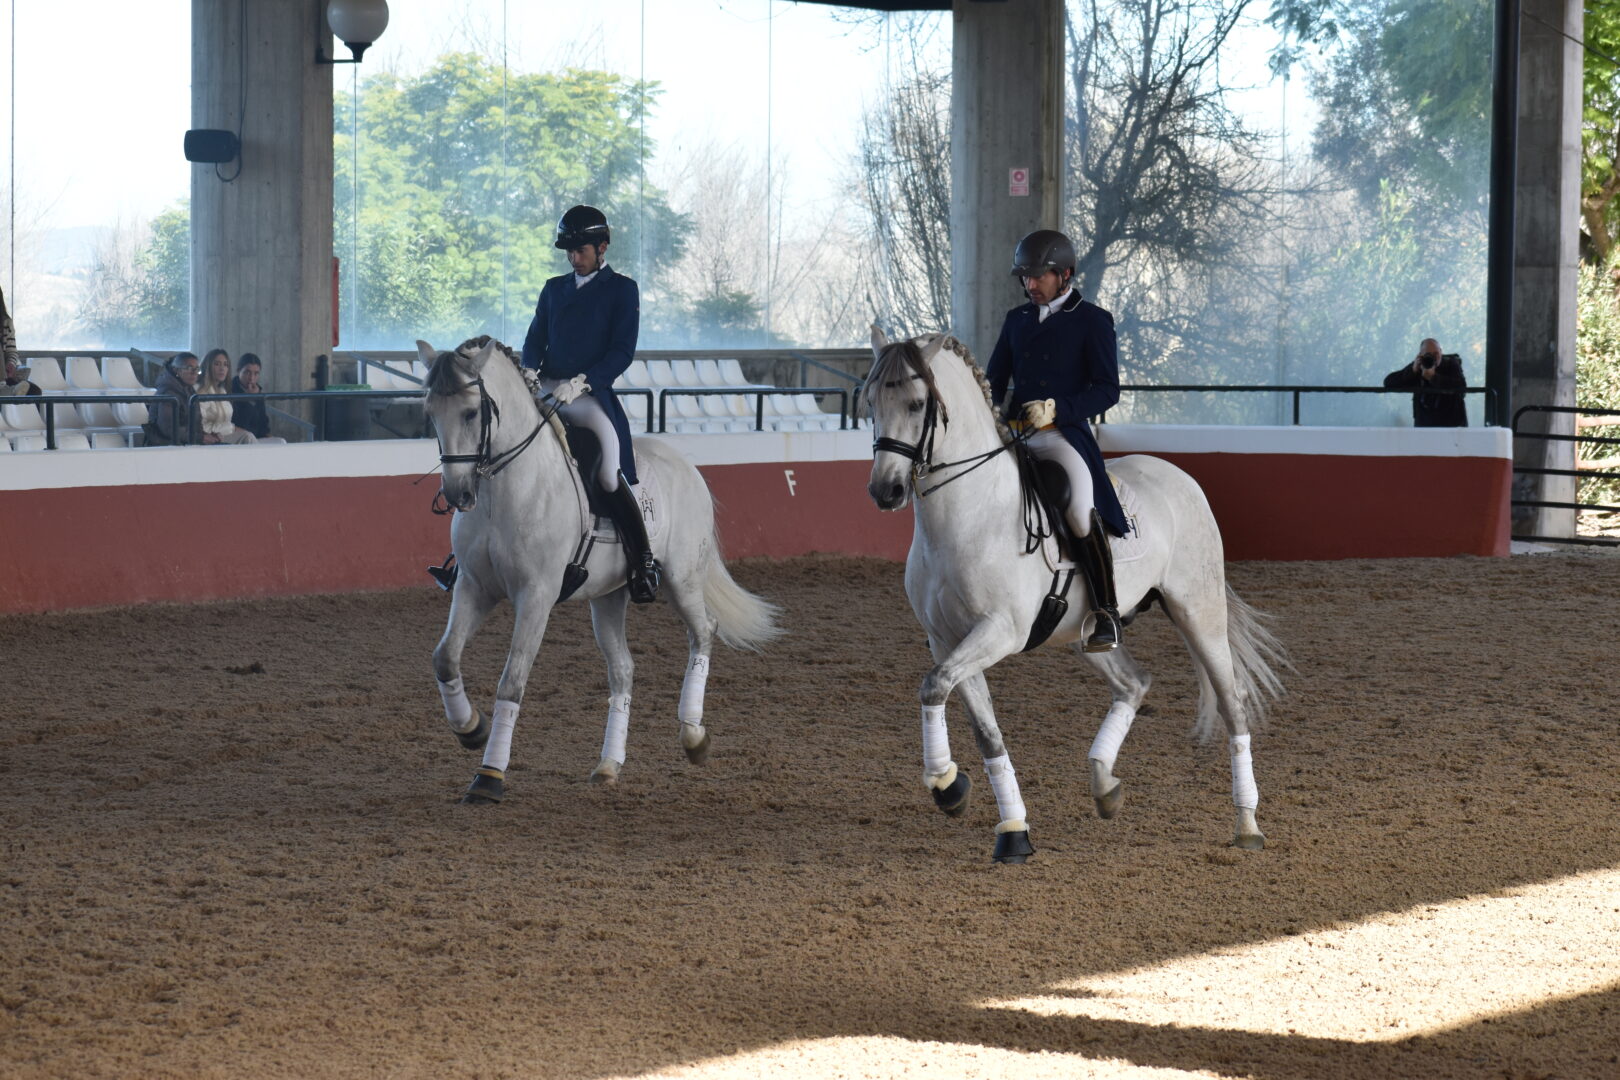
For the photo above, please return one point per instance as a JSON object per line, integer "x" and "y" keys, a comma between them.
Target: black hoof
{"x": 953, "y": 798}
{"x": 477, "y": 737}
{"x": 488, "y": 786}
{"x": 1013, "y": 847}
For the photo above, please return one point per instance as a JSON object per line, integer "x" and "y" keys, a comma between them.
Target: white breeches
{"x": 1050, "y": 445}
{"x": 586, "y": 412}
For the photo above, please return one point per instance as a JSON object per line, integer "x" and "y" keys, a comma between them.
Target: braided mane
{"x": 909, "y": 353}
{"x": 442, "y": 377}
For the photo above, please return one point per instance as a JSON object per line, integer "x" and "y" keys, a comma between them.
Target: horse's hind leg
{"x": 1129, "y": 685}
{"x": 686, "y": 593}
{"x": 1012, "y": 831}
{"x": 1203, "y": 626}
{"x": 468, "y": 608}
{"x": 607, "y": 620}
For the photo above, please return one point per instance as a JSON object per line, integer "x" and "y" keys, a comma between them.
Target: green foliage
{"x": 1600, "y": 131}
{"x": 1597, "y": 368}
{"x": 461, "y": 181}
{"x": 143, "y": 297}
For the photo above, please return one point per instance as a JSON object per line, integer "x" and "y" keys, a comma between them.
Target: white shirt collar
{"x": 582, "y": 279}
{"x": 1055, "y": 306}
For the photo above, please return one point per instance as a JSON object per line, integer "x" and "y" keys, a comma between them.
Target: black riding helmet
{"x": 582, "y": 225}
{"x": 1043, "y": 250}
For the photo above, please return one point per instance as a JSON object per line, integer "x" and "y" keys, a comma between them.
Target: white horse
{"x": 522, "y": 519}
{"x": 977, "y": 590}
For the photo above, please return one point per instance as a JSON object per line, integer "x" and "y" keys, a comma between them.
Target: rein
{"x": 486, "y": 464}
{"x": 921, "y": 452}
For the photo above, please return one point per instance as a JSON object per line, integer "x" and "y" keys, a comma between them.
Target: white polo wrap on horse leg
{"x": 697, "y": 679}
{"x": 1009, "y": 803}
{"x": 939, "y": 772}
{"x": 1245, "y": 795}
{"x": 618, "y": 726}
{"x": 457, "y": 709}
{"x": 1105, "y": 747}
{"x": 498, "y": 751}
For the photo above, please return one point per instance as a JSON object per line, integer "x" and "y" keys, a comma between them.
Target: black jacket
{"x": 248, "y": 415}
{"x": 1428, "y": 409}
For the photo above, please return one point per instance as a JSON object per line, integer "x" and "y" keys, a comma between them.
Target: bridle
{"x": 921, "y": 452}
{"x": 485, "y": 463}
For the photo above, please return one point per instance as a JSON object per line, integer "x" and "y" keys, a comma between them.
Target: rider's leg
{"x": 643, "y": 569}
{"x": 1096, "y": 556}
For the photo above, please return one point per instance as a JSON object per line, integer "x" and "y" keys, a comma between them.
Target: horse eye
{"x": 915, "y": 406}
{"x": 469, "y": 416}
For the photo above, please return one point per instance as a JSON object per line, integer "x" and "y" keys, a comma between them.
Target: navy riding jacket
{"x": 589, "y": 330}
{"x": 1071, "y": 358}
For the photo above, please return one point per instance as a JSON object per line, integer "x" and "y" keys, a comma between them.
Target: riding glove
{"x": 573, "y": 388}
{"x": 1038, "y": 414}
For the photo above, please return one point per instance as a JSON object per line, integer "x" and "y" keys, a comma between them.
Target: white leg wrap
{"x": 692, "y": 687}
{"x": 1245, "y": 795}
{"x": 457, "y": 709}
{"x": 498, "y": 751}
{"x": 1105, "y": 747}
{"x": 618, "y": 726}
{"x": 1004, "y": 782}
{"x": 936, "y": 744}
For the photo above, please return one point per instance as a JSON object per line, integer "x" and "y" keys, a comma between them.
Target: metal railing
{"x": 1577, "y": 472}
{"x": 49, "y": 402}
{"x": 1296, "y": 391}
{"x": 760, "y": 393}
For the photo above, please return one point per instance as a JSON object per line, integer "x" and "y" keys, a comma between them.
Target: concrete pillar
{"x": 261, "y": 244}
{"x": 1546, "y": 235}
{"x": 1007, "y": 83}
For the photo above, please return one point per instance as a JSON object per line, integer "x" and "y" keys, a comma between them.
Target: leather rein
{"x": 485, "y": 463}
{"x": 921, "y": 452}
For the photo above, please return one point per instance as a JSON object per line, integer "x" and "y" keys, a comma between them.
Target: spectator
{"x": 215, "y": 416}
{"x": 249, "y": 415}
{"x": 1432, "y": 370}
{"x": 16, "y": 375}
{"x": 168, "y": 425}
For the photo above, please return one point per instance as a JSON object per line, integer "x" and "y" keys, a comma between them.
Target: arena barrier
{"x": 95, "y": 528}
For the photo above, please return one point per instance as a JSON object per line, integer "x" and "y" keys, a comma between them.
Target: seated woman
{"x": 169, "y": 425}
{"x": 215, "y": 416}
{"x": 249, "y": 415}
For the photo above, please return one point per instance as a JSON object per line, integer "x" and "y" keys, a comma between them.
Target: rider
{"x": 582, "y": 338}
{"x": 1059, "y": 352}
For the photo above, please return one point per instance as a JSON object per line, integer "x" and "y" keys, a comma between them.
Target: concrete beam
{"x": 1007, "y": 87}
{"x": 261, "y": 243}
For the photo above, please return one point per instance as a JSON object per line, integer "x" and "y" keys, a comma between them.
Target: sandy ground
{"x": 231, "y": 847}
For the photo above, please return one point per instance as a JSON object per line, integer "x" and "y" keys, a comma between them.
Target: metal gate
{"x": 1584, "y": 418}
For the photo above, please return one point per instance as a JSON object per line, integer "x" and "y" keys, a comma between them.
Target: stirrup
{"x": 1105, "y": 633}
{"x": 644, "y": 580}
{"x": 445, "y": 576}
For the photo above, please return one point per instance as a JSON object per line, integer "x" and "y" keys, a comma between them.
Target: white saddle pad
{"x": 1126, "y": 548}
{"x": 654, "y": 509}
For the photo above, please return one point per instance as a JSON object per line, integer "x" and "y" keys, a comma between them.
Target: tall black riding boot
{"x": 644, "y": 572}
{"x": 1097, "y": 563}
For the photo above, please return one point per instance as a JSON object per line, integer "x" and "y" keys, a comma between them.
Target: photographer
{"x": 1432, "y": 370}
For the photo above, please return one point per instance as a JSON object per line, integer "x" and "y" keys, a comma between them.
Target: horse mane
{"x": 442, "y": 377}
{"x": 908, "y": 353}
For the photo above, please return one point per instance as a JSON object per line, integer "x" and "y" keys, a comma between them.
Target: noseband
{"x": 485, "y": 463}
{"x": 921, "y": 452}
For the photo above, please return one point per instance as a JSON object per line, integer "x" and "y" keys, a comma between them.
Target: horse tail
{"x": 1257, "y": 656}
{"x": 742, "y": 620}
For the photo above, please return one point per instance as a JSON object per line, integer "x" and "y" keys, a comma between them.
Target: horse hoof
{"x": 1249, "y": 841}
{"x": 1108, "y": 805}
{"x": 487, "y": 788}
{"x": 953, "y": 798}
{"x": 478, "y": 736}
{"x": 1013, "y": 847}
{"x": 698, "y": 754}
{"x": 606, "y": 772}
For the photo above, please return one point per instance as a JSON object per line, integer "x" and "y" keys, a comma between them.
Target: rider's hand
{"x": 573, "y": 388}
{"x": 1038, "y": 414}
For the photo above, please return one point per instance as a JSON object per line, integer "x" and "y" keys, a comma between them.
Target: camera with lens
{"x": 1428, "y": 360}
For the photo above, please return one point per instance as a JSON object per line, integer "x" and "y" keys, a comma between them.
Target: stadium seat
{"x": 5, "y": 443}
{"x": 108, "y": 440}
{"x": 131, "y": 414}
{"x": 84, "y": 374}
{"x": 66, "y": 417}
{"x": 72, "y": 440}
{"x": 684, "y": 373}
{"x": 98, "y": 415}
{"x": 46, "y": 373}
{"x": 658, "y": 374}
{"x": 731, "y": 373}
{"x": 708, "y": 373}
{"x": 635, "y": 374}
{"x": 27, "y": 443}
{"x": 119, "y": 375}
{"x": 22, "y": 418}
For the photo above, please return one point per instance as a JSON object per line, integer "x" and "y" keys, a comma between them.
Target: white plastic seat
{"x": 687, "y": 406}
{"x": 731, "y": 373}
{"x": 108, "y": 440}
{"x": 84, "y": 374}
{"x": 99, "y": 415}
{"x": 25, "y": 443}
{"x": 23, "y": 418}
{"x": 708, "y": 372}
{"x": 46, "y": 373}
{"x": 72, "y": 440}
{"x": 635, "y": 374}
{"x": 684, "y": 373}
{"x": 131, "y": 414}
{"x": 119, "y": 375}
{"x": 659, "y": 374}
{"x": 5, "y": 444}
{"x": 65, "y": 416}
{"x": 635, "y": 407}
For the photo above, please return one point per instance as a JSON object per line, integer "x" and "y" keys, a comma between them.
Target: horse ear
{"x": 425, "y": 352}
{"x": 481, "y": 357}
{"x": 879, "y": 339}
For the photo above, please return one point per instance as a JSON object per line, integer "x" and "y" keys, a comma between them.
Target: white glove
{"x": 1038, "y": 414}
{"x": 573, "y": 388}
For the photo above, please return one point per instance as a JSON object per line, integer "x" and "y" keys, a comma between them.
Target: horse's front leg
{"x": 607, "y": 621}
{"x": 469, "y": 606}
{"x": 988, "y": 642}
{"x": 1129, "y": 685}
{"x": 531, "y": 612}
{"x": 1012, "y": 831}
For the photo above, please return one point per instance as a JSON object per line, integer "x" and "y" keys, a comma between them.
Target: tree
{"x": 139, "y": 288}
{"x": 1600, "y": 134}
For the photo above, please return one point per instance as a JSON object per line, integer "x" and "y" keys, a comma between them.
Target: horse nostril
{"x": 896, "y": 492}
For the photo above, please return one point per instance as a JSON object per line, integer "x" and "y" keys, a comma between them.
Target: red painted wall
{"x": 73, "y": 547}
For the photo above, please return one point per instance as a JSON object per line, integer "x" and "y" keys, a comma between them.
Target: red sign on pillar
{"x": 1018, "y": 180}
